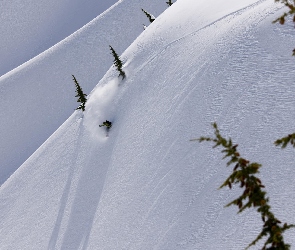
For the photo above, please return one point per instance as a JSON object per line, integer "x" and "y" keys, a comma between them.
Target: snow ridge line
{"x": 214, "y": 22}
{"x": 206, "y": 26}
{"x": 50, "y": 49}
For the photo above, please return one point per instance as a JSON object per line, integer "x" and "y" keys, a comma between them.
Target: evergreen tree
{"x": 118, "y": 63}
{"x": 169, "y": 2}
{"x": 81, "y": 96}
{"x": 149, "y": 16}
{"x": 254, "y": 194}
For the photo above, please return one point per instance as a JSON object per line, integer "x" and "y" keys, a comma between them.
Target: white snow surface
{"x": 147, "y": 186}
{"x": 29, "y": 27}
{"x": 37, "y": 97}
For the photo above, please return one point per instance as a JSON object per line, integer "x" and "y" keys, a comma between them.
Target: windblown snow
{"x": 147, "y": 186}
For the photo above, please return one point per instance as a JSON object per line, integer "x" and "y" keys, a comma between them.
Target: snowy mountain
{"x": 147, "y": 186}
{"x": 29, "y": 27}
{"x": 37, "y": 97}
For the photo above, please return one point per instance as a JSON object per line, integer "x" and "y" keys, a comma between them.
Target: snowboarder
{"x": 108, "y": 125}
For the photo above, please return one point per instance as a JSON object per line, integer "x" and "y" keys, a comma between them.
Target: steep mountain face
{"x": 30, "y": 27}
{"x": 147, "y": 186}
{"x": 39, "y": 96}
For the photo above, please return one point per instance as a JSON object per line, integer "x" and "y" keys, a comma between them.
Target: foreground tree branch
{"x": 290, "y": 12}
{"x": 253, "y": 195}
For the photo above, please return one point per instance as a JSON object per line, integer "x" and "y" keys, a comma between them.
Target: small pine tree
{"x": 254, "y": 194}
{"x": 118, "y": 63}
{"x": 149, "y": 16}
{"x": 81, "y": 96}
{"x": 169, "y": 2}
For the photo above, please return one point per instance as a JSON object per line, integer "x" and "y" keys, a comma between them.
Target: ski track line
{"x": 163, "y": 159}
{"x": 155, "y": 202}
{"x": 185, "y": 93}
{"x": 159, "y": 182}
{"x": 168, "y": 151}
{"x": 165, "y": 233}
{"x": 237, "y": 12}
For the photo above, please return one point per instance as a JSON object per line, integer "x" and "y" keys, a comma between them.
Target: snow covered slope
{"x": 146, "y": 186}
{"x": 37, "y": 97}
{"x": 30, "y": 27}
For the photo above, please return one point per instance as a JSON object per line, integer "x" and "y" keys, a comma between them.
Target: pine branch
{"x": 81, "y": 96}
{"x": 283, "y": 142}
{"x": 253, "y": 194}
{"x": 118, "y": 63}
{"x": 290, "y": 12}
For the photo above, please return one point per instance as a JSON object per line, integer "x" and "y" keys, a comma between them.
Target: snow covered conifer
{"x": 118, "y": 63}
{"x": 81, "y": 96}
{"x": 169, "y": 2}
{"x": 149, "y": 16}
